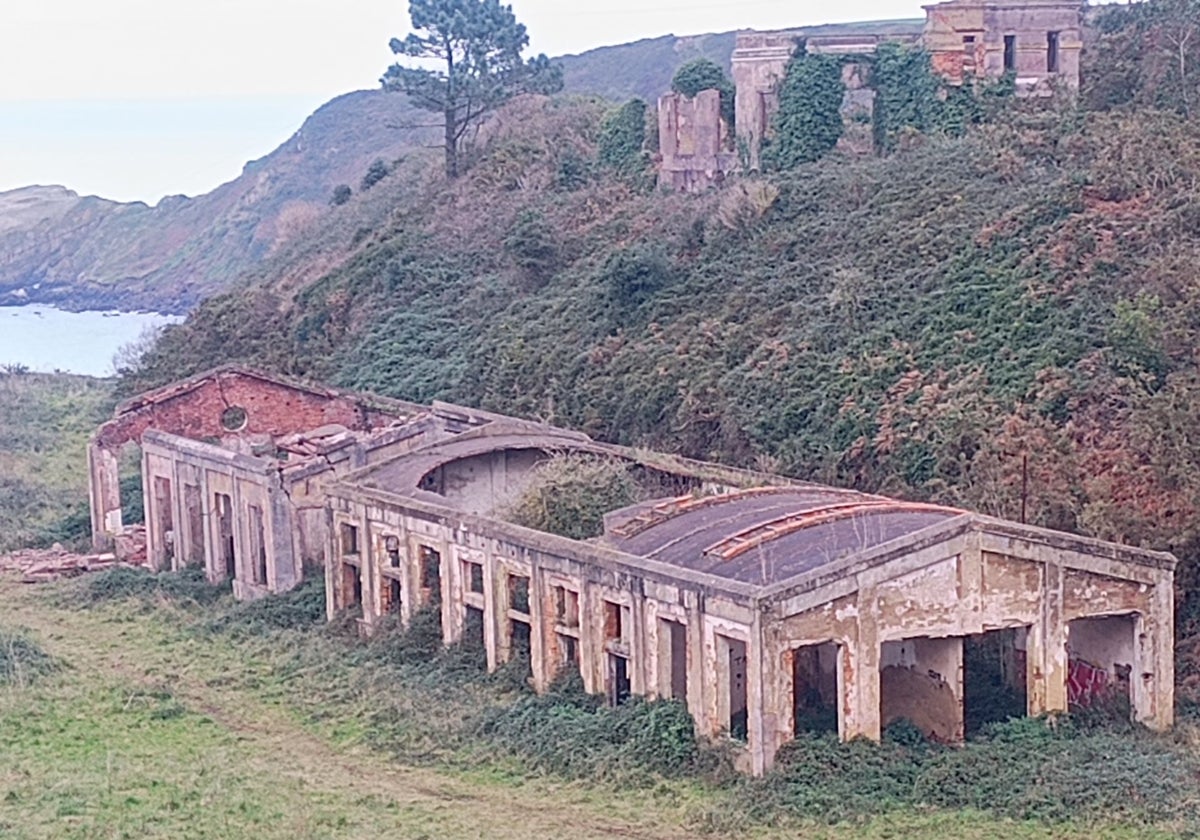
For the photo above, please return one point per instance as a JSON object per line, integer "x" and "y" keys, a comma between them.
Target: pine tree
{"x": 478, "y": 46}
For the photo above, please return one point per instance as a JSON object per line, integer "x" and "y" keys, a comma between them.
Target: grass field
{"x": 45, "y": 421}
{"x": 151, "y": 725}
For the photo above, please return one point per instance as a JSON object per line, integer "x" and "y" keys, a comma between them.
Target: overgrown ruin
{"x": 1037, "y": 42}
{"x": 769, "y": 606}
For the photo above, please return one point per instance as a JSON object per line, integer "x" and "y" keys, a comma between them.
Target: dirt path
{"x": 272, "y": 743}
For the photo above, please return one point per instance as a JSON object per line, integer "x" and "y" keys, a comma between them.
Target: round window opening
{"x": 234, "y": 418}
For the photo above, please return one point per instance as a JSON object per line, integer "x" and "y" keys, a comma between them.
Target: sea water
{"x": 45, "y": 339}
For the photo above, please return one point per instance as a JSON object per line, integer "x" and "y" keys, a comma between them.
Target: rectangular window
{"x": 225, "y": 540}
{"x": 613, "y": 624}
{"x": 474, "y": 576}
{"x": 1010, "y": 53}
{"x": 258, "y": 545}
{"x": 518, "y": 593}
{"x": 431, "y": 573}
{"x": 349, "y": 539}
{"x": 566, "y": 606}
{"x": 1051, "y": 52}
{"x": 391, "y": 547}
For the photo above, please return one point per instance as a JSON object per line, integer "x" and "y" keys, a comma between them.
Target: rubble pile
{"x": 42, "y": 565}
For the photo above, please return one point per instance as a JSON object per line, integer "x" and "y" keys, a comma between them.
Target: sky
{"x": 138, "y": 99}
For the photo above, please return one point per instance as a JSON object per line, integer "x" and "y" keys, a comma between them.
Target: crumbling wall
{"x": 694, "y": 142}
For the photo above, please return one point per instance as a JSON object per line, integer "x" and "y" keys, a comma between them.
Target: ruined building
{"x": 769, "y": 606}
{"x": 1038, "y": 41}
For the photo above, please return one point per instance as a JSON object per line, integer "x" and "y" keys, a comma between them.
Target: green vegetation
{"x": 570, "y": 494}
{"x": 622, "y": 141}
{"x": 376, "y": 172}
{"x": 22, "y": 660}
{"x": 479, "y": 45}
{"x": 809, "y": 121}
{"x": 209, "y": 701}
{"x": 911, "y": 100}
{"x": 704, "y": 74}
{"x": 45, "y": 422}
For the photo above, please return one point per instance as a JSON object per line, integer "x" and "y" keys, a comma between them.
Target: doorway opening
{"x": 815, "y": 688}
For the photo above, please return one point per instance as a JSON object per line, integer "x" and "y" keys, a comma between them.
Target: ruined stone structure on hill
{"x": 770, "y": 606}
{"x": 1038, "y": 41}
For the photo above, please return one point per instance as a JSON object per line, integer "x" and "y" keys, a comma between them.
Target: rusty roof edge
{"x": 577, "y": 550}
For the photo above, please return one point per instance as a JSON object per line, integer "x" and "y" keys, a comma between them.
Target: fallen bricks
{"x": 50, "y": 564}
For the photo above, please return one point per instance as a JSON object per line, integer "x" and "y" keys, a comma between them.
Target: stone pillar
{"x": 1046, "y": 648}
{"x": 864, "y": 705}
{"x": 104, "y": 495}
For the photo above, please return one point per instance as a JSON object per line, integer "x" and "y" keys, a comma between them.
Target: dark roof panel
{"x": 764, "y": 537}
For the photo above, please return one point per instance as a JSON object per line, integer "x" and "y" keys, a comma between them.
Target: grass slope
{"x": 171, "y": 717}
{"x": 45, "y": 422}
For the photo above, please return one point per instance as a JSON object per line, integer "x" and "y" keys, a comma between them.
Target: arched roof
{"x": 768, "y": 535}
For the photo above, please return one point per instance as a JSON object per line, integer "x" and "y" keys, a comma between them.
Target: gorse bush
{"x": 22, "y": 660}
{"x": 1024, "y": 769}
{"x": 570, "y": 493}
{"x": 580, "y": 740}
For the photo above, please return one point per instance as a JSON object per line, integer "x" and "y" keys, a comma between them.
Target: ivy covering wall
{"x": 809, "y": 121}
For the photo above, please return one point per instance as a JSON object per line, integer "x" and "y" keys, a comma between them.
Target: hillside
{"x": 924, "y": 324}
{"x": 87, "y": 253}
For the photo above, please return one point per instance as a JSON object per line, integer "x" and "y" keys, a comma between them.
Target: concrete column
{"x": 1047, "y": 647}
{"x": 541, "y": 624}
{"x": 864, "y": 721}
{"x": 1152, "y": 682}
{"x": 639, "y": 658}
{"x": 495, "y": 612}
{"x": 760, "y": 713}
{"x": 104, "y": 495}
{"x": 331, "y": 560}
{"x": 698, "y": 678}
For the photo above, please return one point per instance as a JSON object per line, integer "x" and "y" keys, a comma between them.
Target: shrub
{"x": 581, "y": 740}
{"x": 341, "y": 194}
{"x": 633, "y": 276}
{"x": 22, "y": 660}
{"x": 570, "y": 494}
{"x": 809, "y": 121}
{"x": 704, "y": 74}
{"x": 532, "y": 243}
{"x": 623, "y": 138}
{"x": 124, "y": 583}
{"x": 299, "y": 609}
{"x": 376, "y": 172}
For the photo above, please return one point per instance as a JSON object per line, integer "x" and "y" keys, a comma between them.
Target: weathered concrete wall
{"x": 265, "y": 562}
{"x": 556, "y": 569}
{"x": 966, "y": 40}
{"x": 961, "y": 586}
{"x": 488, "y": 484}
{"x": 695, "y": 145}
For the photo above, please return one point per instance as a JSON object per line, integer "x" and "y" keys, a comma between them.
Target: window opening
{"x": 258, "y": 544}
{"x": 815, "y": 689}
{"x": 349, "y": 540}
{"x": 739, "y": 718}
{"x": 431, "y": 573}
{"x": 1010, "y": 53}
{"x": 391, "y": 547}
{"x": 619, "y": 688}
{"x": 224, "y": 505}
{"x": 518, "y": 593}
